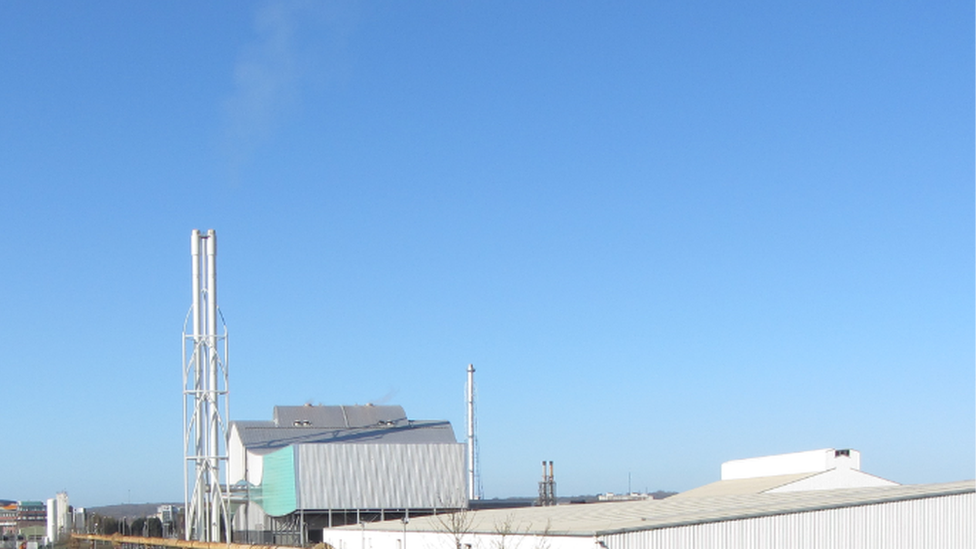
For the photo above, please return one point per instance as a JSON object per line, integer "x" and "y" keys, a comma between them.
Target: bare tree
{"x": 508, "y": 534}
{"x": 457, "y": 525}
{"x": 543, "y": 541}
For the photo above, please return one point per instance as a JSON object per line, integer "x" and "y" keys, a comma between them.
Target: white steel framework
{"x": 205, "y": 390}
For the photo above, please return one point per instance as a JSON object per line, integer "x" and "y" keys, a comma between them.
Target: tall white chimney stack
{"x": 472, "y": 493}
{"x": 205, "y": 389}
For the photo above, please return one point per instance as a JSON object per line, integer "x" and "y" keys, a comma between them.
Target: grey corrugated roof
{"x": 594, "y": 519}
{"x": 338, "y": 417}
{"x": 259, "y": 436}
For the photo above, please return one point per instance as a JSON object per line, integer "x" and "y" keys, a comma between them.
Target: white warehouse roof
{"x": 596, "y": 519}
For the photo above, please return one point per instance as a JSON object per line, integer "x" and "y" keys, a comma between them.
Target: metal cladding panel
{"x": 381, "y": 476}
{"x": 945, "y": 522}
{"x": 355, "y": 538}
{"x": 277, "y": 491}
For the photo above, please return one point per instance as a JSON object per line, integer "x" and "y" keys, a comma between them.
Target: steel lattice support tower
{"x": 204, "y": 400}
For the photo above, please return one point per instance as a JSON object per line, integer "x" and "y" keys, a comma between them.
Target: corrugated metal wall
{"x": 371, "y": 539}
{"x": 945, "y": 522}
{"x": 381, "y": 476}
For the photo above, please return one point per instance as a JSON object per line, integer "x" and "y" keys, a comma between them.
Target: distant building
{"x": 312, "y": 467}
{"x": 633, "y": 496}
{"x": 167, "y": 515}
{"x": 79, "y": 520}
{"x": 8, "y": 517}
{"x": 31, "y": 512}
{"x": 57, "y": 518}
{"x": 32, "y": 520}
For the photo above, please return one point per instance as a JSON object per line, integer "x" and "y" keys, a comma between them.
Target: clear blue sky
{"x": 666, "y": 234}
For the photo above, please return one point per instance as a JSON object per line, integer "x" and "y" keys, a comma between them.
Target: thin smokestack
{"x": 472, "y": 494}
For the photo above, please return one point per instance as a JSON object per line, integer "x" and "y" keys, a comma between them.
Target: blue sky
{"x": 666, "y": 234}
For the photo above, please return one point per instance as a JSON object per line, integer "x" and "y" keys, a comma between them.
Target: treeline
{"x": 150, "y": 526}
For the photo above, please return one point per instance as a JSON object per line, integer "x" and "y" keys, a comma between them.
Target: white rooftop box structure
{"x": 812, "y": 461}
{"x": 826, "y": 469}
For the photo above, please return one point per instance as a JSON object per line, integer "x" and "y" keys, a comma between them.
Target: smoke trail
{"x": 385, "y": 398}
{"x": 265, "y": 83}
{"x": 296, "y": 44}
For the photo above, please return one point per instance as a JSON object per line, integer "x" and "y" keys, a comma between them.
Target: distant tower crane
{"x": 204, "y": 400}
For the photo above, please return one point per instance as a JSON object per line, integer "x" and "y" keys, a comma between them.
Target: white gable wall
{"x": 242, "y": 463}
{"x": 235, "y": 456}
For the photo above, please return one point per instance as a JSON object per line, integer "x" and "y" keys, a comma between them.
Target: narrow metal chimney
{"x": 472, "y": 493}
{"x": 547, "y": 486}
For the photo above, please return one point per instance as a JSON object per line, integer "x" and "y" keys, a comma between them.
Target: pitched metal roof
{"x": 340, "y": 425}
{"x": 754, "y": 485}
{"x": 594, "y": 519}
{"x": 338, "y": 417}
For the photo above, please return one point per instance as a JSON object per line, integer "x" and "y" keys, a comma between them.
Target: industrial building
{"x": 24, "y": 522}
{"x": 312, "y": 467}
{"x": 309, "y": 467}
{"x": 58, "y": 518}
{"x": 810, "y": 500}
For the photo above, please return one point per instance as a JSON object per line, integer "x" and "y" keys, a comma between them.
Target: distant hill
{"x": 137, "y": 510}
{"x": 660, "y": 494}
{"x": 129, "y": 510}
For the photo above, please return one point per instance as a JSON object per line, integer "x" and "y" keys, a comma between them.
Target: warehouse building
{"x": 810, "y": 500}
{"x": 312, "y": 467}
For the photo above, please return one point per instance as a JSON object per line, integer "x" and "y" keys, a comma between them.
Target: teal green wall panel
{"x": 278, "y": 489}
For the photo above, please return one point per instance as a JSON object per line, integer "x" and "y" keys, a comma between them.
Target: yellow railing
{"x": 117, "y": 540}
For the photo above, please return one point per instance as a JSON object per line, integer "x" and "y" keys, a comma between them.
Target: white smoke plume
{"x": 266, "y": 83}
